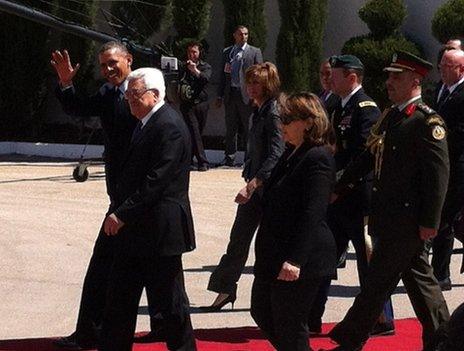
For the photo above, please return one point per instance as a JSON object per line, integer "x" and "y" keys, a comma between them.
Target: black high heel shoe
{"x": 218, "y": 305}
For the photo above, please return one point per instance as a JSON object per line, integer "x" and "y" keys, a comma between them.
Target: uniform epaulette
{"x": 435, "y": 120}
{"x": 367, "y": 103}
{"x": 424, "y": 108}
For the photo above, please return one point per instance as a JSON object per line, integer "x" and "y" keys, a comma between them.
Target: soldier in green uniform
{"x": 408, "y": 152}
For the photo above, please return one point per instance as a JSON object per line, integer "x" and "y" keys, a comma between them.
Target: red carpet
{"x": 407, "y": 338}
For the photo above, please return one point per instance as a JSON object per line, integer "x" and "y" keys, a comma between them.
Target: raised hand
{"x": 62, "y": 64}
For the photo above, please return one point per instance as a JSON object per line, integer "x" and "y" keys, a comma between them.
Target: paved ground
{"x": 48, "y": 224}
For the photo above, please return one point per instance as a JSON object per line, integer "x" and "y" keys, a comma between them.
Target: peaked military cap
{"x": 405, "y": 61}
{"x": 346, "y": 61}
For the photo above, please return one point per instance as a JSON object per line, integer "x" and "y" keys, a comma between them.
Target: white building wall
{"x": 343, "y": 23}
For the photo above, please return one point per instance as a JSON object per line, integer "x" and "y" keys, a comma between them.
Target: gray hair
{"x": 152, "y": 78}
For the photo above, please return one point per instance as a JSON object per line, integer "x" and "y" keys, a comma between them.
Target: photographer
{"x": 194, "y": 100}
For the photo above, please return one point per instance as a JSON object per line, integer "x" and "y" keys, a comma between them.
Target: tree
{"x": 191, "y": 20}
{"x": 249, "y": 13}
{"x": 299, "y": 42}
{"x": 448, "y": 23}
{"x": 25, "y": 60}
{"x": 140, "y": 19}
{"x": 375, "y": 50}
{"x": 80, "y": 50}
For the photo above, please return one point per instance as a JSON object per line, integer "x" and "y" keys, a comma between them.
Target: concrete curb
{"x": 74, "y": 151}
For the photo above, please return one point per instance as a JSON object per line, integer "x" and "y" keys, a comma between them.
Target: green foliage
{"x": 299, "y": 43}
{"x": 375, "y": 55}
{"x": 249, "y": 13}
{"x": 448, "y": 21}
{"x": 383, "y": 17}
{"x": 140, "y": 19}
{"x": 80, "y": 50}
{"x": 191, "y": 20}
{"x": 25, "y": 59}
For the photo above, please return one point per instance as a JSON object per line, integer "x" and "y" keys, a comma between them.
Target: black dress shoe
{"x": 203, "y": 168}
{"x": 228, "y": 161}
{"x": 71, "y": 343}
{"x": 445, "y": 284}
{"x": 314, "y": 329}
{"x": 153, "y": 336}
{"x": 383, "y": 329}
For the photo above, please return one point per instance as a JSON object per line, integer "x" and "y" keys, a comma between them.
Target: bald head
{"x": 452, "y": 67}
{"x": 454, "y": 43}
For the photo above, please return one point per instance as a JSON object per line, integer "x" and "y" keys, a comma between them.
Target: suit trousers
{"x": 195, "y": 117}
{"x": 93, "y": 298}
{"x": 280, "y": 309}
{"x": 94, "y": 290}
{"x": 237, "y": 116}
{"x": 394, "y": 259}
{"x": 226, "y": 275}
{"x": 442, "y": 244}
{"x": 163, "y": 278}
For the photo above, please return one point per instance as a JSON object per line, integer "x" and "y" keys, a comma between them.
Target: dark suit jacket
{"x": 294, "y": 226}
{"x": 152, "y": 192}
{"x": 331, "y": 103}
{"x": 250, "y": 57}
{"x": 452, "y": 111}
{"x": 116, "y": 120}
{"x": 265, "y": 143}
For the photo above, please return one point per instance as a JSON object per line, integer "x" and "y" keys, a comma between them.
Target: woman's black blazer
{"x": 294, "y": 226}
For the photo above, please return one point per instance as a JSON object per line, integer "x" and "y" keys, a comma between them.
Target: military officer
{"x": 352, "y": 119}
{"x": 408, "y": 152}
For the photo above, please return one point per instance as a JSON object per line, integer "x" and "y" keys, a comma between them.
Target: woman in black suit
{"x": 295, "y": 249}
{"x": 264, "y": 148}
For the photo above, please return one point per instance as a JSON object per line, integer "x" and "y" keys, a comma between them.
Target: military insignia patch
{"x": 438, "y": 132}
{"x": 367, "y": 103}
{"x": 435, "y": 120}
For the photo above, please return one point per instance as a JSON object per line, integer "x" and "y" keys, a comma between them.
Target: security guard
{"x": 352, "y": 119}
{"x": 408, "y": 152}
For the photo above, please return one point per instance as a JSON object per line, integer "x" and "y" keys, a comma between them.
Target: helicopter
{"x": 158, "y": 55}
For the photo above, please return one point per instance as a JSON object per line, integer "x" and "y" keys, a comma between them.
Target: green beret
{"x": 346, "y": 61}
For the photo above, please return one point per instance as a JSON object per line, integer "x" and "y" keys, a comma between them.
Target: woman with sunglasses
{"x": 264, "y": 147}
{"x": 295, "y": 249}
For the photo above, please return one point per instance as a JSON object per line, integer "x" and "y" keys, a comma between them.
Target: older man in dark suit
{"x": 449, "y": 104}
{"x": 152, "y": 216}
{"x": 232, "y": 90}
